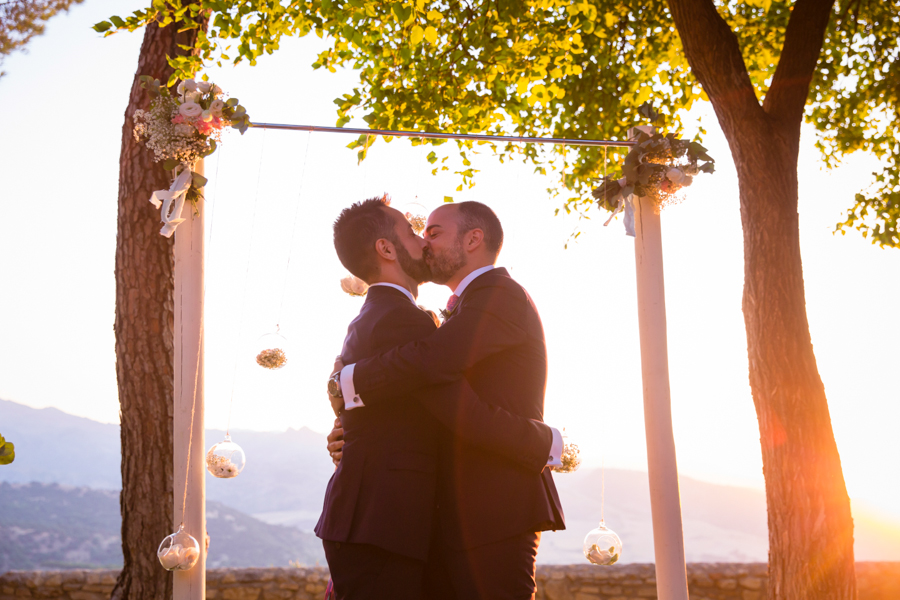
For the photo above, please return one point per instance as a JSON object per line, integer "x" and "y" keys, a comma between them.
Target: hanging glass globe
{"x": 271, "y": 350}
{"x": 179, "y": 551}
{"x": 416, "y": 213}
{"x": 602, "y": 546}
{"x": 225, "y": 459}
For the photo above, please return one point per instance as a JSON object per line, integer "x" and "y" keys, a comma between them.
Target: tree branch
{"x": 802, "y": 45}
{"x": 713, "y": 52}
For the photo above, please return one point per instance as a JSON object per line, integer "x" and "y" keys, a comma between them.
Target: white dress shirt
{"x": 352, "y": 399}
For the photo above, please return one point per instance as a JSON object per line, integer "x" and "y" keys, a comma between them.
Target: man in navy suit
{"x": 378, "y": 519}
{"x": 491, "y": 511}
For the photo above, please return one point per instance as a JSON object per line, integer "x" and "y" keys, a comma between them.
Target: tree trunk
{"x": 145, "y": 341}
{"x": 810, "y": 526}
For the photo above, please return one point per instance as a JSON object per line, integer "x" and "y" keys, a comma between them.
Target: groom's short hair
{"x": 357, "y": 229}
{"x": 475, "y": 215}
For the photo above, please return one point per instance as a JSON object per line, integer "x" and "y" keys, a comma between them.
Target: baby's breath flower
{"x": 273, "y": 358}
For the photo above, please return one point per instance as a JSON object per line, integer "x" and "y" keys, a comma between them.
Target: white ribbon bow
{"x": 164, "y": 198}
{"x": 626, "y": 205}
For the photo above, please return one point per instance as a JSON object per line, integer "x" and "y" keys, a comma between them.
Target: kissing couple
{"x": 443, "y": 482}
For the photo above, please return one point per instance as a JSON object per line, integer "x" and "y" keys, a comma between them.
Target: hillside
{"x": 286, "y": 474}
{"x": 49, "y": 526}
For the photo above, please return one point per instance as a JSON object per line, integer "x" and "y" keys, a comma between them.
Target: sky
{"x": 272, "y": 197}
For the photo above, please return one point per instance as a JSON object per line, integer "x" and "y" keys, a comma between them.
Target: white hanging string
{"x": 287, "y": 267}
{"x": 602, "y": 486}
{"x": 237, "y": 353}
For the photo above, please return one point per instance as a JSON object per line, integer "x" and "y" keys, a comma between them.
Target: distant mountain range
{"x": 286, "y": 474}
{"x": 49, "y": 526}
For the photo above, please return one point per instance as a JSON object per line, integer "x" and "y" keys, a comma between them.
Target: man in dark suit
{"x": 492, "y": 513}
{"x": 377, "y": 519}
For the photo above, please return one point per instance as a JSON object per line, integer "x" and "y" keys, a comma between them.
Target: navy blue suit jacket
{"x": 494, "y": 339}
{"x": 384, "y": 491}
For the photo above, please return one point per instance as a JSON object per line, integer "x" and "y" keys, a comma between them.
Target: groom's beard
{"x": 446, "y": 264}
{"x": 416, "y": 269}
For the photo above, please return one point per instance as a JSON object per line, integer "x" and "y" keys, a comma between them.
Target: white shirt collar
{"x": 396, "y": 287}
{"x": 469, "y": 278}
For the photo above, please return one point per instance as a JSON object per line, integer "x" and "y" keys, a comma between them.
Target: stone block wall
{"x": 707, "y": 581}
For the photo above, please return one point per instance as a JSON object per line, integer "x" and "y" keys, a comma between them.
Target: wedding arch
{"x": 634, "y": 195}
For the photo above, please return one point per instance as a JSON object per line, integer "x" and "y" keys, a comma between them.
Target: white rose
{"x": 184, "y": 130}
{"x": 354, "y": 286}
{"x": 675, "y": 175}
{"x": 190, "y": 110}
{"x": 688, "y": 180}
{"x": 190, "y": 85}
{"x": 216, "y": 90}
{"x": 192, "y": 97}
{"x": 216, "y": 107}
{"x": 359, "y": 286}
{"x": 206, "y": 116}
{"x": 204, "y": 86}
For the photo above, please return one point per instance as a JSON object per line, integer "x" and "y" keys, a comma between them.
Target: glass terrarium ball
{"x": 225, "y": 459}
{"x": 179, "y": 551}
{"x": 602, "y": 546}
{"x": 271, "y": 350}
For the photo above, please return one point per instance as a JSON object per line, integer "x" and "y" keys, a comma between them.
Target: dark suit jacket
{"x": 383, "y": 491}
{"x": 494, "y": 339}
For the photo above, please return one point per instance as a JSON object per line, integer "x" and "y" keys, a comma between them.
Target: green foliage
{"x": 7, "y": 451}
{"x": 855, "y": 105}
{"x": 562, "y": 68}
{"x": 21, "y": 20}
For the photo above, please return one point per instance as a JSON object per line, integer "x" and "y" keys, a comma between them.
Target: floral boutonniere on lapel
{"x": 452, "y": 305}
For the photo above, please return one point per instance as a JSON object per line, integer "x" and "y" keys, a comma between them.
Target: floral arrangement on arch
{"x": 180, "y": 130}
{"x": 657, "y": 167}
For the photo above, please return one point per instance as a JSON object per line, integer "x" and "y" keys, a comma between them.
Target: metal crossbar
{"x": 444, "y": 136}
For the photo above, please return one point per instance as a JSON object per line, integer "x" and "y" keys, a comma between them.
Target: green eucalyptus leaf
{"x": 198, "y": 180}
{"x": 170, "y": 163}
{"x": 102, "y": 26}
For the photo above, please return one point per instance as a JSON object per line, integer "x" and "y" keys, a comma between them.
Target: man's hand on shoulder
{"x": 336, "y": 442}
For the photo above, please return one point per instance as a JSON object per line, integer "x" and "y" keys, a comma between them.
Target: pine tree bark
{"x": 145, "y": 340}
{"x": 810, "y": 526}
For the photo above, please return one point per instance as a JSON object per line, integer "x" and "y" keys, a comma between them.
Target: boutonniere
{"x": 446, "y": 314}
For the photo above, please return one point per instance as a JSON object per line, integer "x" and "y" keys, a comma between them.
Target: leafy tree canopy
{"x": 566, "y": 68}
{"x": 20, "y": 20}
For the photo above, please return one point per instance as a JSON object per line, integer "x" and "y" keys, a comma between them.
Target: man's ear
{"x": 474, "y": 240}
{"x": 385, "y": 249}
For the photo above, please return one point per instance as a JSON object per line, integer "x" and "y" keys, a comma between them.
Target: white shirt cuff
{"x": 556, "y": 448}
{"x": 351, "y": 398}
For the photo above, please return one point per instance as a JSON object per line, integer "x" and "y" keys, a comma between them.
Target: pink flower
{"x": 203, "y": 127}
{"x": 217, "y": 123}
{"x": 178, "y": 119}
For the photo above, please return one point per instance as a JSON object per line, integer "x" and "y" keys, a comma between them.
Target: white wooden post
{"x": 665, "y": 498}
{"x": 189, "y": 243}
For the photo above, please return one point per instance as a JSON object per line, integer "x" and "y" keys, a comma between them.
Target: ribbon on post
{"x": 171, "y": 215}
{"x": 625, "y": 204}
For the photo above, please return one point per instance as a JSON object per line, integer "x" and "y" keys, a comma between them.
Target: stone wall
{"x": 707, "y": 581}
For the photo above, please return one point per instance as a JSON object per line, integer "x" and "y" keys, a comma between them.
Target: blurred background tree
{"x": 21, "y": 20}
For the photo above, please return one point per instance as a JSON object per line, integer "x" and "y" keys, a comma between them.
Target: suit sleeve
{"x": 487, "y": 323}
{"x": 524, "y": 441}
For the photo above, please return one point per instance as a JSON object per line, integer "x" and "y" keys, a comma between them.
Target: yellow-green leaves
{"x": 416, "y": 35}
{"x": 431, "y": 34}
{"x": 7, "y": 451}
